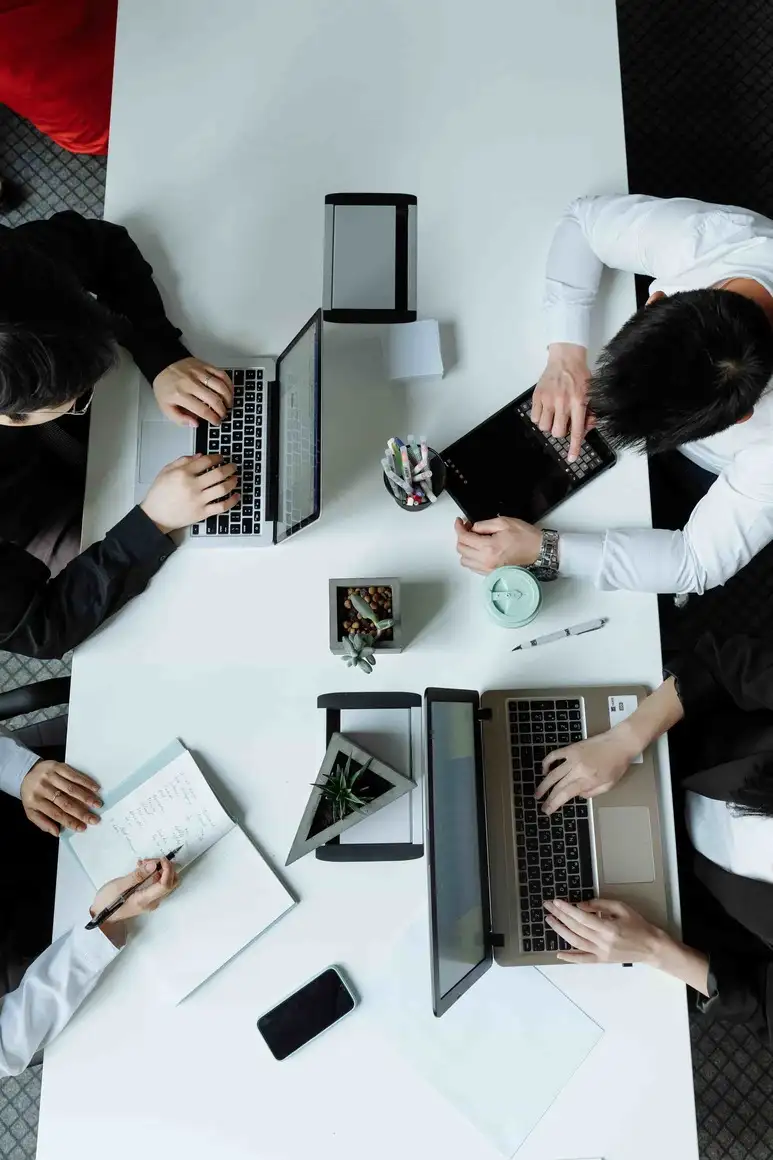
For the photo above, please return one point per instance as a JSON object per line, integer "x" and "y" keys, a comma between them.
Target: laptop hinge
{"x": 494, "y": 939}
{"x": 483, "y": 714}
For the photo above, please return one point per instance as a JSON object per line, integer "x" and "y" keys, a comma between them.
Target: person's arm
{"x": 606, "y": 931}
{"x": 727, "y": 528}
{"x": 52, "y": 793}
{"x": 50, "y": 993}
{"x": 740, "y": 990}
{"x": 15, "y": 763}
{"x": 631, "y": 232}
{"x": 107, "y": 263}
{"x": 60, "y": 979}
{"x": 739, "y": 670}
{"x": 594, "y": 766}
{"x": 41, "y": 617}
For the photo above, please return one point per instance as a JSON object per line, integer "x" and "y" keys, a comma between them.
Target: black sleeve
{"x": 41, "y": 617}
{"x": 108, "y": 264}
{"x": 741, "y": 991}
{"x": 739, "y": 671}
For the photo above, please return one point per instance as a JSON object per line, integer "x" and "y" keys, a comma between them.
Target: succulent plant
{"x": 338, "y": 788}
{"x": 358, "y": 652}
{"x": 367, "y": 613}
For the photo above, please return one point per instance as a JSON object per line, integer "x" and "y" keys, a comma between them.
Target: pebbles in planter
{"x": 382, "y": 597}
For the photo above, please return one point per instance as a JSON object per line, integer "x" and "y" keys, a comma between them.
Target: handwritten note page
{"x": 174, "y": 807}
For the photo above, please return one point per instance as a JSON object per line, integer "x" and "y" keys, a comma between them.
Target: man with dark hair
{"x": 689, "y": 372}
{"x": 71, "y": 290}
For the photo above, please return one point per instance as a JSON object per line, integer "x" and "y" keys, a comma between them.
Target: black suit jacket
{"x": 39, "y": 616}
{"x": 726, "y": 741}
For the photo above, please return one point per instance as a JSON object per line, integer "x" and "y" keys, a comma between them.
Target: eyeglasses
{"x": 81, "y": 404}
{"x": 79, "y": 407}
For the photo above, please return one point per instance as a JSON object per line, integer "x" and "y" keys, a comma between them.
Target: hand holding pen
{"x": 136, "y": 893}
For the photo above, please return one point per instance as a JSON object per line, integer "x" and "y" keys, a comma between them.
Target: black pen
{"x": 122, "y": 898}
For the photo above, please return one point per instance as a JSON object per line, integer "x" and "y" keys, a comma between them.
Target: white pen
{"x": 574, "y": 630}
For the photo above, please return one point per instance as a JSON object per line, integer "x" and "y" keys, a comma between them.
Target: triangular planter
{"x": 339, "y": 744}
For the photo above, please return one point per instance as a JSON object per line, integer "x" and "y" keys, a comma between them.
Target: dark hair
{"x": 56, "y": 341}
{"x": 683, "y": 368}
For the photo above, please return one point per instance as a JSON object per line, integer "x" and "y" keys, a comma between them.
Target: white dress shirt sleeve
{"x": 632, "y": 232}
{"x": 50, "y": 993}
{"x": 727, "y": 528}
{"x": 15, "y": 762}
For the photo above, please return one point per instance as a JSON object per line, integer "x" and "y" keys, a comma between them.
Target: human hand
{"x": 189, "y": 490}
{"x": 587, "y": 768}
{"x": 602, "y": 931}
{"x": 191, "y": 388}
{"x": 560, "y": 398}
{"x": 54, "y": 794}
{"x": 157, "y": 885}
{"x": 490, "y": 544}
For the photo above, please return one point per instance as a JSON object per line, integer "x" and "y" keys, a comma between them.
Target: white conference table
{"x": 231, "y": 122}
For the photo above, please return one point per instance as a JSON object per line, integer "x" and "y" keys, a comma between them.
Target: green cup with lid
{"x": 513, "y": 597}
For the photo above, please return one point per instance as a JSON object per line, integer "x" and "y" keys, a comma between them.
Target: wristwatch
{"x": 545, "y": 567}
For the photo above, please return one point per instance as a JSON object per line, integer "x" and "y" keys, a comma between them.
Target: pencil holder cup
{"x": 513, "y": 597}
{"x": 438, "y": 470}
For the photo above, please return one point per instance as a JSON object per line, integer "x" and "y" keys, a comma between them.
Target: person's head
{"x": 56, "y": 341}
{"x": 682, "y": 368}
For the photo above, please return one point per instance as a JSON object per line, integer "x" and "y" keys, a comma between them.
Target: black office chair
{"x": 48, "y": 737}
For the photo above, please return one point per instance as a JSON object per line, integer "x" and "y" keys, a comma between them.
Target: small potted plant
{"x": 351, "y": 785}
{"x": 364, "y": 620}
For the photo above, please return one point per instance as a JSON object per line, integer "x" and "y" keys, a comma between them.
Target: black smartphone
{"x": 305, "y": 1014}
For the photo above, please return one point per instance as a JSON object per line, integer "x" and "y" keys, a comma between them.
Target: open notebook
{"x": 228, "y": 894}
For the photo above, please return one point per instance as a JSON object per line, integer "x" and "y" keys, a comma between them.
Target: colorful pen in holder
{"x": 413, "y": 473}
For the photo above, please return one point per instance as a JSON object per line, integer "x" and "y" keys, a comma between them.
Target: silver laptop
{"x": 494, "y": 857}
{"x": 272, "y": 434}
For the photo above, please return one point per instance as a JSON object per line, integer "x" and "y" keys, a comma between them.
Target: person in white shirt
{"x": 57, "y": 982}
{"x": 689, "y": 371}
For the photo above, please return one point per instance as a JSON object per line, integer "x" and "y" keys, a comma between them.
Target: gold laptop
{"x": 494, "y": 857}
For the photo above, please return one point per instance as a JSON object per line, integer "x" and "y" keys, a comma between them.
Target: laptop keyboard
{"x": 554, "y": 853}
{"x": 587, "y": 461}
{"x": 240, "y": 440}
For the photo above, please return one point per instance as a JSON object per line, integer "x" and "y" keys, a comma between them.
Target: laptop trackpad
{"x": 160, "y": 443}
{"x": 625, "y": 838}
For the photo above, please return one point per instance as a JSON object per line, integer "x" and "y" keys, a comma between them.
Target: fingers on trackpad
{"x": 625, "y": 841}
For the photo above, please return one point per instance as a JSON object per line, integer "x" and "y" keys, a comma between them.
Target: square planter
{"x": 384, "y": 592}
{"x": 379, "y": 783}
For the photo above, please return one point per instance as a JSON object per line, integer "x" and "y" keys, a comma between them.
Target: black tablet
{"x": 508, "y": 467}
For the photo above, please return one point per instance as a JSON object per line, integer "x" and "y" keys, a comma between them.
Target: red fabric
{"x": 56, "y": 67}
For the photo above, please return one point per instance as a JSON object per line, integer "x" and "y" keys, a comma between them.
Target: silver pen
{"x": 574, "y": 630}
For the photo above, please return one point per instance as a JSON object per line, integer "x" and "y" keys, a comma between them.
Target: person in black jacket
{"x": 720, "y": 698}
{"x": 71, "y": 290}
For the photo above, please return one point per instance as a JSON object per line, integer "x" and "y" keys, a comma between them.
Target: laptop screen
{"x": 298, "y": 466}
{"x": 459, "y": 897}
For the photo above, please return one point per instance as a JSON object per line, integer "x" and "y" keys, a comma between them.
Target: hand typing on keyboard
{"x": 190, "y": 390}
{"x": 603, "y": 931}
{"x": 491, "y": 544}
{"x": 561, "y": 396}
{"x": 587, "y": 768}
{"x": 189, "y": 490}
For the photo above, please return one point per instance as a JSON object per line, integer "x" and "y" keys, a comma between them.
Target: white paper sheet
{"x": 174, "y": 807}
{"x": 501, "y": 1054}
{"x": 412, "y": 350}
